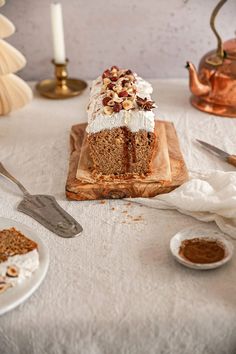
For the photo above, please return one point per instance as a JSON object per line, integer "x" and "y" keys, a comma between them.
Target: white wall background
{"x": 153, "y": 37}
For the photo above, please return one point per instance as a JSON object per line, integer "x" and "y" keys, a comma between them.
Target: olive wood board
{"x": 170, "y": 178}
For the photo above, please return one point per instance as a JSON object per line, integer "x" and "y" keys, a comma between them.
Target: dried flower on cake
{"x": 145, "y": 104}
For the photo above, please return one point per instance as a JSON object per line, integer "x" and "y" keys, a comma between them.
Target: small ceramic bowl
{"x": 199, "y": 232}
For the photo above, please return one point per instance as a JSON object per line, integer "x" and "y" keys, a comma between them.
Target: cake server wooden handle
{"x": 232, "y": 160}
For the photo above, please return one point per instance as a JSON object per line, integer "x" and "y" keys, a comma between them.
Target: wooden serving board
{"x": 173, "y": 177}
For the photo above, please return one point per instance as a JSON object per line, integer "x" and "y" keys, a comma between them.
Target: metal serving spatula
{"x": 46, "y": 210}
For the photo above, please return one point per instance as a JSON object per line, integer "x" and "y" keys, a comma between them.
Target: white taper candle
{"x": 58, "y": 33}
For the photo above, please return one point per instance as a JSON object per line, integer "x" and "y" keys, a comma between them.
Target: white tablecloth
{"x": 115, "y": 289}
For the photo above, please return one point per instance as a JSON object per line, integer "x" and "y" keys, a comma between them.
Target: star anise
{"x": 144, "y": 103}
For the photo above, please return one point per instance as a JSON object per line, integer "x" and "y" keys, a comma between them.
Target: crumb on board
{"x": 102, "y": 202}
{"x": 113, "y": 208}
{"x": 124, "y": 212}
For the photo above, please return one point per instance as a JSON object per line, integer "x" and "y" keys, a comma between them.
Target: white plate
{"x": 199, "y": 232}
{"x": 21, "y": 292}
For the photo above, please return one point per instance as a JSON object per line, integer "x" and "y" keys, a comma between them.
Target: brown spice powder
{"x": 200, "y": 250}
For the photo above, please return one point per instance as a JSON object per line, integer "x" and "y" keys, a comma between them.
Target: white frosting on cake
{"x": 134, "y": 120}
{"x": 26, "y": 263}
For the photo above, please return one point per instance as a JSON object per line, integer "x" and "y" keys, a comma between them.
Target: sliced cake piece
{"x": 121, "y": 123}
{"x": 19, "y": 257}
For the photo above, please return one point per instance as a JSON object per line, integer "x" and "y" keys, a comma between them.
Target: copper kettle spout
{"x": 196, "y": 86}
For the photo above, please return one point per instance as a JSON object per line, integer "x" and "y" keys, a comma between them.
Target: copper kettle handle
{"x": 220, "y": 54}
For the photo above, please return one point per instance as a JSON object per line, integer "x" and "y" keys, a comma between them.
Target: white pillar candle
{"x": 58, "y": 33}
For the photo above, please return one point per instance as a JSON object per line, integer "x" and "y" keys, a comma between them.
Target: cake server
{"x": 218, "y": 152}
{"x": 46, "y": 210}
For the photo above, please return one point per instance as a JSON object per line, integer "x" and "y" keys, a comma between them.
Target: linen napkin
{"x": 209, "y": 197}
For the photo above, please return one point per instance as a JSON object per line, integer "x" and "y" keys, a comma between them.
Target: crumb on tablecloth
{"x": 138, "y": 218}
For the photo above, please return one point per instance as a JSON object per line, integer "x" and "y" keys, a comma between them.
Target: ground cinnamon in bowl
{"x": 202, "y": 250}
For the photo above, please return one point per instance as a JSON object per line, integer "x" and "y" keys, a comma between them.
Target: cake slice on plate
{"x": 121, "y": 123}
{"x": 19, "y": 257}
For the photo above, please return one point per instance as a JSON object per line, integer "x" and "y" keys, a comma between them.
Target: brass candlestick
{"x": 61, "y": 86}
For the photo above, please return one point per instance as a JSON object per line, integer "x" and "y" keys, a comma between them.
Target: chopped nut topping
{"x": 12, "y": 271}
{"x": 106, "y": 100}
{"x": 130, "y": 77}
{"x": 106, "y": 81}
{"x": 111, "y": 86}
{"x": 108, "y": 110}
{"x": 120, "y": 91}
{"x": 106, "y": 73}
{"x": 4, "y": 287}
{"x": 117, "y": 107}
{"x": 2, "y": 279}
{"x": 111, "y": 103}
{"x": 116, "y": 98}
{"x": 110, "y": 93}
{"x": 114, "y": 67}
{"x": 124, "y": 82}
{"x": 114, "y": 78}
{"x": 127, "y": 105}
{"x": 123, "y": 94}
{"x": 117, "y": 88}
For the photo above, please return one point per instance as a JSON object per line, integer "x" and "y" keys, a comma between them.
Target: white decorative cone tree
{"x": 14, "y": 92}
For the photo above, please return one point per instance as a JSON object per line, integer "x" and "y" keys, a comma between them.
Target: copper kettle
{"x": 213, "y": 87}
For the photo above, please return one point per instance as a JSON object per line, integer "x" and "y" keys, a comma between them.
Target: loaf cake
{"x": 121, "y": 123}
{"x": 19, "y": 258}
